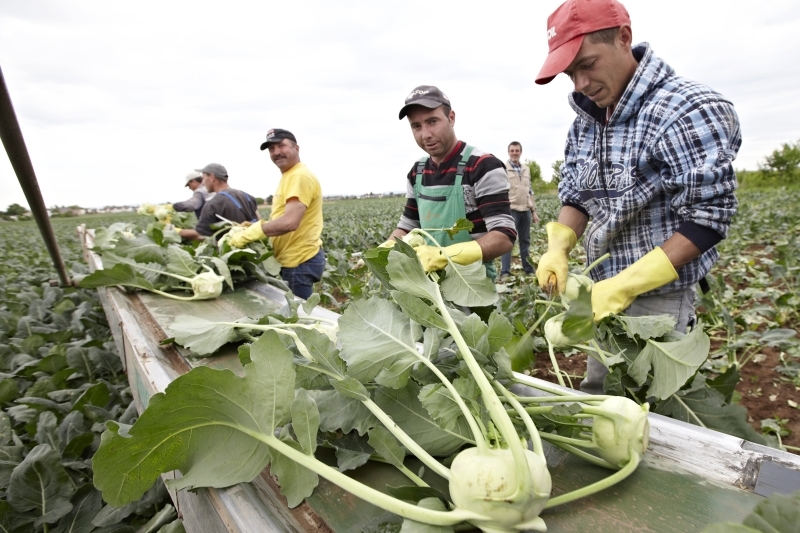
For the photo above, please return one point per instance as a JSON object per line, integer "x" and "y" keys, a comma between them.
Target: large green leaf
{"x": 297, "y": 482}
{"x": 377, "y": 342}
{"x": 404, "y": 407}
{"x": 708, "y": 405}
{"x": 387, "y": 446}
{"x": 407, "y": 276}
{"x": 198, "y": 426}
{"x": 41, "y": 484}
{"x": 180, "y": 262}
{"x": 468, "y": 285}
{"x": 140, "y": 248}
{"x": 323, "y": 350}
{"x": 338, "y": 412}
{"x": 204, "y": 337}
{"x": 305, "y": 420}
{"x": 646, "y": 327}
{"x": 119, "y": 274}
{"x": 440, "y": 404}
{"x": 85, "y": 505}
{"x": 778, "y": 513}
{"x": 673, "y": 363}
{"x": 419, "y": 311}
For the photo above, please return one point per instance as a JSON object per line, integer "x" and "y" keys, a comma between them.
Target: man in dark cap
{"x": 227, "y": 204}
{"x": 455, "y": 181}
{"x": 648, "y": 159}
{"x": 295, "y": 223}
{"x": 194, "y": 181}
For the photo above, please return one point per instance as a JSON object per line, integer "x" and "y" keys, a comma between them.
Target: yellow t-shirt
{"x": 302, "y": 244}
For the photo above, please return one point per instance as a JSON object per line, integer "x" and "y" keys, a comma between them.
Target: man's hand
{"x": 463, "y": 253}
{"x": 535, "y": 216}
{"x": 251, "y": 234}
{"x": 614, "y": 295}
{"x": 561, "y": 240}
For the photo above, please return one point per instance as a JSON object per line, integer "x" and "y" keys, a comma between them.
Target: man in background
{"x": 295, "y": 223}
{"x": 455, "y": 181}
{"x": 523, "y": 207}
{"x": 194, "y": 180}
{"x": 227, "y": 204}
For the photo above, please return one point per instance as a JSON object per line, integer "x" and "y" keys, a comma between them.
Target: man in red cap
{"x": 648, "y": 161}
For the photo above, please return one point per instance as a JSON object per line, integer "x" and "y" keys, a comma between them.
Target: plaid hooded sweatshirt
{"x": 662, "y": 163}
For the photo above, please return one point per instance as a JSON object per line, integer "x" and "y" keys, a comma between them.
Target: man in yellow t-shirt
{"x": 295, "y": 224}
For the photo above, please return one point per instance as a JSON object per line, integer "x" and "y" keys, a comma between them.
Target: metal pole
{"x": 21, "y": 162}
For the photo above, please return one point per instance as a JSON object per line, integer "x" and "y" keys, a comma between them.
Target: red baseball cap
{"x": 569, "y": 23}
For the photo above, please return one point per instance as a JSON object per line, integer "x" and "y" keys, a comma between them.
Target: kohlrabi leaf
{"x": 352, "y": 450}
{"x": 204, "y": 337}
{"x": 223, "y": 270}
{"x": 180, "y": 262}
{"x": 462, "y": 224}
{"x": 406, "y": 410}
{"x": 376, "y": 260}
{"x": 198, "y": 426}
{"x": 441, "y": 406}
{"x": 338, "y": 412}
{"x": 152, "y": 272}
{"x": 377, "y": 342}
{"x": 351, "y": 388}
{"x": 673, "y": 363}
{"x": 474, "y": 332}
{"x": 578, "y": 323}
{"x": 309, "y": 305}
{"x": 85, "y": 505}
{"x": 297, "y": 482}
{"x": 419, "y": 311}
{"x": 323, "y": 350}
{"x": 40, "y": 483}
{"x": 779, "y": 512}
{"x": 646, "y": 327}
{"x": 406, "y": 275}
{"x": 305, "y": 420}
{"x": 702, "y": 403}
{"x": 119, "y": 274}
{"x": 468, "y": 285}
{"x": 384, "y": 443}
{"x": 500, "y": 331}
{"x": 140, "y": 248}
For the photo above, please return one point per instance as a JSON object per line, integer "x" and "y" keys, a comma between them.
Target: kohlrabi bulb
{"x": 574, "y": 283}
{"x": 207, "y": 285}
{"x": 414, "y": 239}
{"x": 486, "y": 483}
{"x": 623, "y": 432}
{"x": 554, "y": 334}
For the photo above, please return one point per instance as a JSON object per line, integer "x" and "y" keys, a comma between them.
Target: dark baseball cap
{"x": 426, "y": 96}
{"x": 277, "y": 135}
{"x": 216, "y": 169}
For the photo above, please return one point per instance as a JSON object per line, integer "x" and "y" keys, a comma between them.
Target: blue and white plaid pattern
{"x": 664, "y": 160}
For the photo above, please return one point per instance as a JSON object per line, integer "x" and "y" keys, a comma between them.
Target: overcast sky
{"x": 117, "y": 101}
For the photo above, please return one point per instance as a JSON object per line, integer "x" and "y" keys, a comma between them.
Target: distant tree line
{"x": 780, "y": 169}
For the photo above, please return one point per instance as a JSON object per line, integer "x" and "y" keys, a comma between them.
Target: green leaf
{"x": 462, "y": 224}
{"x": 338, "y": 412}
{"x": 204, "y": 337}
{"x": 309, "y": 305}
{"x": 435, "y": 504}
{"x": 729, "y": 527}
{"x": 778, "y": 513}
{"x": 323, "y": 350}
{"x": 351, "y": 388}
{"x": 673, "y": 363}
{"x": 120, "y": 274}
{"x": 468, "y": 285}
{"x": 708, "y": 405}
{"x": 500, "y": 332}
{"x": 377, "y": 342}
{"x": 352, "y": 450}
{"x": 377, "y": 259}
{"x": 297, "y": 482}
{"x": 419, "y": 311}
{"x": 223, "y": 270}
{"x": 140, "y": 248}
{"x": 405, "y": 408}
{"x": 176, "y": 526}
{"x": 85, "y": 505}
{"x": 413, "y": 493}
{"x": 180, "y": 262}
{"x": 439, "y": 403}
{"x": 726, "y": 382}
{"x": 97, "y": 395}
{"x": 47, "y": 432}
{"x": 407, "y": 275}
{"x": 474, "y": 332}
{"x": 387, "y": 446}
{"x": 5, "y": 428}
{"x": 198, "y": 426}
{"x": 646, "y": 327}
{"x": 41, "y": 484}
{"x": 578, "y": 322}
{"x": 305, "y": 420}
{"x": 161, "y": 518}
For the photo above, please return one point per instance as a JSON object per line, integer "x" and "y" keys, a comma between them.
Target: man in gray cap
{"x": 227, "y": 203}
{"x": 194, "y": 180}
{"x": 455, "y": 181}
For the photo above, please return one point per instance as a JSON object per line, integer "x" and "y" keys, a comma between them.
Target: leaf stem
{"x": 595, "y": 263}
{"x": 536, "y": 440}
{"x": 613, "y": 479}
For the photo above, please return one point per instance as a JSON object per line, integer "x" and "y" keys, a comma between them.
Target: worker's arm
{"x": 573, "y": 219}
{"x": 289, "y": 221}
{"x": 190, "y": 235}
{"x": 494, "y": 244}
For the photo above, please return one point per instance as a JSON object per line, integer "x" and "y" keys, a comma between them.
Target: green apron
{"x": 441, "y": 207}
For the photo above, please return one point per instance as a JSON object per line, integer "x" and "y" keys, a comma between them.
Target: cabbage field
{"x": 61, "y": 380}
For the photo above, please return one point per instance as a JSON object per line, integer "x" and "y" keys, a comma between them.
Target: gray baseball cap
{"x": 216, "y": 169}
{"x": 192, "y": 176}
{"x": 426, "y": 96}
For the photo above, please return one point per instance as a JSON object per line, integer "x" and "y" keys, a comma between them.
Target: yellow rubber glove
{"x": 463, "y": 253}
{"x": 387, "y": 244}
{"x": 616, "y": 294}
{"x": 252, "y": 233}
{"x": 560, "y": 240}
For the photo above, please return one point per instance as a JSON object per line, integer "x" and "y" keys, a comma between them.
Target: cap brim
{"x": 559, "y": 59}
{"x": 431, "y": 104}
{"x": 265, "y": 145}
